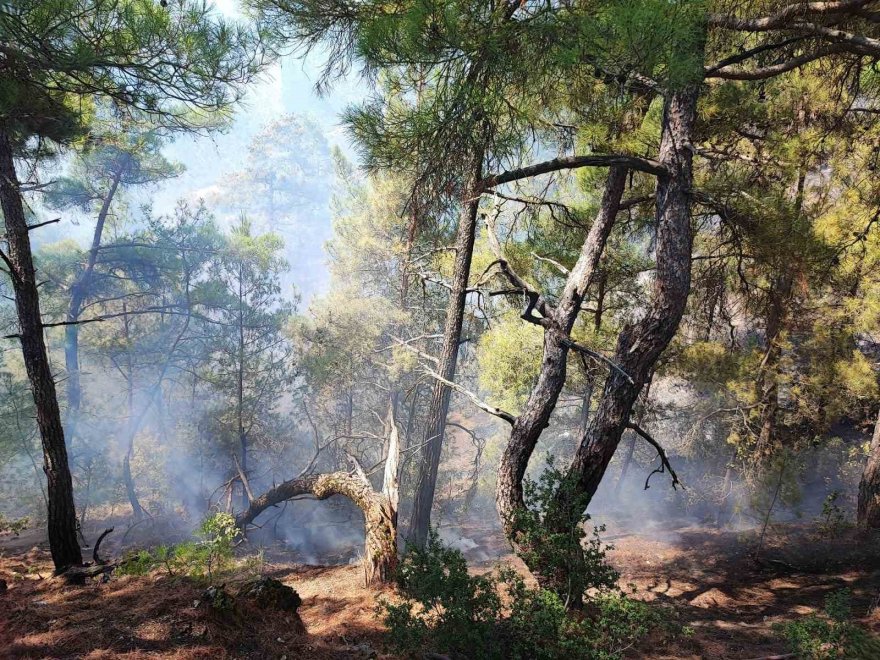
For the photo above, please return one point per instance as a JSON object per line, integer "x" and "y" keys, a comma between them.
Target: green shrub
{"x": 833, "y": 635}
{"x": 12, "y": 526}
{"x": 832, "y": 522}
{"x": 202, "y": 559}
{"x": 450, "y": 611}
{"x": 552, "y": 540}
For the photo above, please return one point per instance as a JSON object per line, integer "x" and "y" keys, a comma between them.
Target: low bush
{"x": 203, "y": 559}
{"x": 447, "y": 610}
{"x": 832, "y": 635}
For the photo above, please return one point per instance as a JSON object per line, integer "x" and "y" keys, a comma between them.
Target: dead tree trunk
{"x": 379, "y": 507}
{"x": 420, "y": 522}
{"x": 869, "y": 486}
{"x": 61, "y": 514}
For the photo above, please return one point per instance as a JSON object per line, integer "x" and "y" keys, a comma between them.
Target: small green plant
{"x": 137, "y": 562}
{"x": 12, "y": 526}
{"x": 446, "y": 609}
{"x": 833, "y": 635}
{"x": 832, "y": 522}
{"x": 202, "y": 559}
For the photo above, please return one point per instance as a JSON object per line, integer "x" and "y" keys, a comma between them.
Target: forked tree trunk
{"x": 61, "y": 514}
{"x": 638, "y": 346}
{"x": 559, "y": 322}
{"x": 379, "y": 508}
{"x": 420, "y": 521}
{"x": 869, "y": 486}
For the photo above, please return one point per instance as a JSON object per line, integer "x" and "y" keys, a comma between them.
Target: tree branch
{"x": 479, "y": 403}
{"x": 43, "y": 224}
{"x": 664, "y": 460}
{"x": 646, "y": 165}
{"x": 580, "y": 348}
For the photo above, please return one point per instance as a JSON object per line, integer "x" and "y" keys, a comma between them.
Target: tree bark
{"x": 61, "y": 511}
{"x": 869, "y": 487}
{"x": 542, "y": 400}
{"x": 420, "y": 521}
{"x": 640, "y": 345}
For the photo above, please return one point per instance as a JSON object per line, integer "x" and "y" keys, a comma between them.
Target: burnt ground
{"x": 706, "y": 579}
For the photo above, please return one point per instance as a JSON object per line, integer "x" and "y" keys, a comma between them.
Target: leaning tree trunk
{"x": 869, "y": 486}
{"x": 79, "y": 290}
{"x": 379, "y": 508}
{"x": 639, "y": 346}
{"x": 420, "y": 521}
{"x": 61, "y": 511}
{"x": 558, "y": 323}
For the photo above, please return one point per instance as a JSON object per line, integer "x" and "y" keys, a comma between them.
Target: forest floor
{"x": 706, "y": 579}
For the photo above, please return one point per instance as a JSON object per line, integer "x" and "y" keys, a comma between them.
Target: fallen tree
{"x": 379, "y": 507}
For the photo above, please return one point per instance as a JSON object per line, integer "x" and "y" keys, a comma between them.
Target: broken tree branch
{"x": 580, "y": 348}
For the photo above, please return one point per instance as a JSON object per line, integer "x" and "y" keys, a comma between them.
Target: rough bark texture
{"x": 61, "y": 513}
{"x": 869, "y": 486}
{"x": 420, "y": 522}
{"x": 379, "y": 508}
{"x": 380, "y": 520}
{"x": 639, "y": 345}
{"x": 558, "y": 324}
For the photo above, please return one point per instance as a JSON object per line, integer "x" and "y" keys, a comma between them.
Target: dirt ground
{"x": 706, "y": 578}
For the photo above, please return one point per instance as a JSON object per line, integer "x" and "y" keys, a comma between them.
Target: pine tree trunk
{"x": 78, "y": 292}
{"x": 137, "y": 510}
{"x": 420, "y": 522}
{"x": 61, "y": 514}
{"x": 869, "y": 486}
{"x": 639, "y": 346}
{"x": 542, "y": 400}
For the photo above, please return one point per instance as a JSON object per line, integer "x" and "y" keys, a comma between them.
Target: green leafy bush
{"x": 498, "y": 616}
{"x": 553, "y": 541}
{"x": 833, "y": 635}
{"x": 202, "y": 559}
{"x": 12, "y": 525}
{"x": 832, "y": 522}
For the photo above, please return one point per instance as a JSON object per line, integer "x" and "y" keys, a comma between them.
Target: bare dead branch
{"x": 580, "y": 348}
{"x": 43, "y": 224}
{"x": 664, "y": 459}
{"x": 479, "y": 403}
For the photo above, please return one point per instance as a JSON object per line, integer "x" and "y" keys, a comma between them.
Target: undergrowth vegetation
{"x": 203, "y": 558}
{"x": 497, "y": 615}
{"x": 832, "y": 635}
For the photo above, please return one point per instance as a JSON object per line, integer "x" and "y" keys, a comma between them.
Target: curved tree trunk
{"x": 78, "y": 292}
{"x": 435, "y": 428}
{"x": 869, "y": 486}
{"x": 61, "y": 514}
{"x": 380, "y": 520}
{"x": 379, "y": 508}
{"x": 639, "y": 346}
